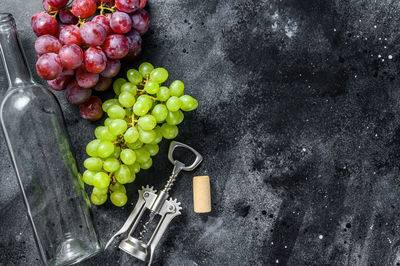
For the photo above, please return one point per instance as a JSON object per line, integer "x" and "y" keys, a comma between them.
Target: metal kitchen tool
{"x": 157, "y": 204}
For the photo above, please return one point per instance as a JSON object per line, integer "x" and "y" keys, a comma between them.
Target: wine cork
{"x": 201, "y": 194}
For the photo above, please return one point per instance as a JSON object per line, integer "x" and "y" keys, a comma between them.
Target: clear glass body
{"x": 53, "y": 191}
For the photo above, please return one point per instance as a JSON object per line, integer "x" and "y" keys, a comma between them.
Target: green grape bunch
{"x": 142, "y": 113}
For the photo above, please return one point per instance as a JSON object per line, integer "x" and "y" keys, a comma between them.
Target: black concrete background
{"x": 299, "y": 125}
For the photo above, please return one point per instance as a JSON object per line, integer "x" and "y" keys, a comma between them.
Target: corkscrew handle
{"x": 179, "y": 166}
{"x": 197, "y": 161}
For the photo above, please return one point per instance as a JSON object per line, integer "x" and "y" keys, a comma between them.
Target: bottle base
{"x": 72, "y": 251}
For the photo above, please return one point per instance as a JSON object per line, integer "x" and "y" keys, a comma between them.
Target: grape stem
{"x": 53, "y": 13}
{"x": 80, "y": 22}
{"x": 104, "y": 6}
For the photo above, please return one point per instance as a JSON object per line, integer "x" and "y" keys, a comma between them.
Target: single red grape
{"x": 116, "y": 46}
{"x": 135, "y": 40}
{"x": 70, "y": 34}
{"x": 71, "y": 56}
{"x": 103, "y": 84}
{"x": 49, "y": 66}
{"x": 127, "y": 6}
{"x": 92, "y": 109}
{"x": 57, "y": 4}
{"x": 93, "y": 33}
{"x": 36, "y": 16}
{"x": 95, "y": 60}
{"x": 112, "y": 68}
{"x": 45, "y": 24}
{"x": 60, "y": 27}
{"x": 86, "y": 79}
{"x": 67, "y": 17}
{"x": 84, "y": 8}
{"x": 59, "y": 83}
{"x": 120, "y": 22}
{"x": 68, "y": 72}
{"x": 103, "y": 21}
{"x": 47, "y": 44}
{"x": 75, "y": 94}
{"x": 142, "y": 3}
{"x": 134, "y": 54}
{"x": 140, "y": 21}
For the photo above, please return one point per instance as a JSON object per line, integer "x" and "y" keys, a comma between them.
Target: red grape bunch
{"x": 80, "y": 44}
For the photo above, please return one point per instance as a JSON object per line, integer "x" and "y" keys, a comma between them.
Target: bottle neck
{"x": 14, "y": 61}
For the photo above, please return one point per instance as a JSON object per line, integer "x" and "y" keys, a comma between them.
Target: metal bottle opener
{"x": 157, "y": 204}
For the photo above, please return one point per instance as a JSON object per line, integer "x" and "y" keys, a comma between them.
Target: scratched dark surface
{"x": 299, "y": 125}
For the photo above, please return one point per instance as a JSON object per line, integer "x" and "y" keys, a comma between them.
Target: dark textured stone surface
{"x": 299, "y": 125}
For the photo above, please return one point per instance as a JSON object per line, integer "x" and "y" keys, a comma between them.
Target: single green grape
{"x": 116, "y": 111}
{"x": 151, "y": 87}
{"x": 99, "y": 191}
{"x": 109, "y": 103}
{"x": 188, "y": 103}
{"x": 152, "y": 149}
{"x": 173, "y": 104}
{"x": 136, "y": 145}
{"x": 134, "y": 168}
{"x": 147, "y": 122}
{"x": 131, "y": 135}
{"x": 101, "y": 180}
{"x": 159, "y": 75}
{"x": 140, "y": 108}
{"x": 160, "y": 112}
{"x": 105, "y": 148}
{"x": 117, "y": 85}
{"x": 88, "y": 177}
{"x": 168, "y": 131}
{"x": 147, "y": 136}
{"x": 123, "y": 174}
{"x": 93, "y": 164}
{"x": 126, "y": 99}
{"x": 98, "y": 199}
{"x": 118, "y": 198}
{"x": 117, "y": 151}
{"x": 194, "y": 106}
{"x": 107, "y": 121}
{"x": 128, "y": 156}
{"x": 111, "y": 165}
{"x": 163, "y": 94}
{"x": 145, "y": 68}
{"x": 142, "y": 155}
{"x": 176, "y": 88}
{"x": 158, "y": 135}
{"x": 134, "y": 76}
{"x": 91, "y": 148}
{"x": 145, "y": 99}
{"x": 117, "y": 127}
{"x": 103, "y": 133}
{"x": 129, "y": 87}
{"x": 174, "y": 118}
{"x": 132, "y": 178}
{"x": 147, "y": 164}
{"x": 118, "y": 187}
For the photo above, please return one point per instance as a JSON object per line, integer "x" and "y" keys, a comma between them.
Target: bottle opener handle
{"x": 197, "y": 161}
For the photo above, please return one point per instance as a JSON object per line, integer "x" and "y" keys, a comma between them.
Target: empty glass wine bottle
{"x": 33, "y": 125}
